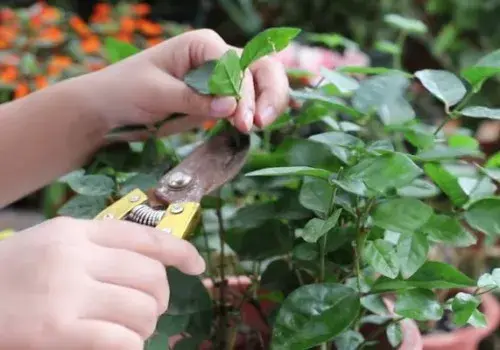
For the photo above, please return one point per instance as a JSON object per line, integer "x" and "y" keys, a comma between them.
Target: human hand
{"x": 147, "y": 87}
{"x": 84, "y": 285}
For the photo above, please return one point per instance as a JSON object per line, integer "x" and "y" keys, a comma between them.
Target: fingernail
{"x": 222, "y": 107}
{"x": 200, "y": 264}
{"x": 248, "y": 119}
{"x": 268, "y": 115}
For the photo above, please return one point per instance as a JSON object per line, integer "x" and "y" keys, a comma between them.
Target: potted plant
{"x": 334, "y": 216}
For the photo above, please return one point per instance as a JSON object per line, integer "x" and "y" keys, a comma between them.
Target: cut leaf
{"x": 445, "y": 229}
{"x": 296, "y": 171}
{"x": 444, "y": 85}
{"x": 404, "y": 215}
{"x": 412, "y": 253}
{"x": 266, "y": 42}
{"x": 418, "y": 304}
{"x": 463, "y": 306}
{"x": 381, "y": 255}
{"x": 484, "y": 215}
{"x": 481, "y": 112}
{"x": 313, "y": 314}
{"x": 447, "y": 183}
{"x": 227, "y": 76}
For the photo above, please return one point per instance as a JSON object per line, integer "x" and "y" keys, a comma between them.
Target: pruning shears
{"x": 180, "y": 190}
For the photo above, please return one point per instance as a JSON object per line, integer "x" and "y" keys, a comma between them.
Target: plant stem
{"x": 223, "y": 316}
{"x": 443, "y": 123}
{"x": 398, "y": 58}
{"x": 455, "y": 113}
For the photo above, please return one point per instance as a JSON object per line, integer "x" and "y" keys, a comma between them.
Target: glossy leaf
{"x": 490, "y": 280}
{"x": 477, "y": 319}
{"x": 316, "y": 195}
{"x": 266, "y": 42}
{"x": 354, "y": 186}
{"x": 412, "y": 250}
{"x": 83, "y": 207}
{"x": 349, "y": 340}
{"x": 394, "y": 334}
{"x": 92, "y": 185}
{"x": 445, "y": 229}
{"x": 404, "y": 215}
{"x": 381, "y": 255}
{"x": 396, "y": 111}
{"x": 198, "y": 78}
{"x": 332, "y": 102}
{"x": 295, "y": 171}
{"x": 445, "y": 153}
{"x": 339, "y": 143}
{"x": 371, "y": 70}
{"x": 385, "y": 172}
{"x": 313, "y": 314}
{"x": 444, "y": 85}
{"x": 494, "y": 161}
{"x": 305, "y": 251}
{"x": 405, "y": 24}
{"x": 485, "y": 68}
{"x": 317, "y": 228}
{"x": 227, "y": 76}
{"x": 158, "y": 341}
{"x": 463, "y": 306}
{"x": 419, "y": 188}
{"x": 344, "y": 83}
{"x": 447, "y": 183}
{"x": 484, "y": 215}
{"x": 481, "y": 112}
{"x": 71, "y": 175}
{"x": 142, "y": 181}
{"x": 418, "y": 304}
{"x": 432, "y": 274}
{"x": 188, "y": 296}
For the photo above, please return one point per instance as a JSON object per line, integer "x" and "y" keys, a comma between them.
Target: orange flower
{"x": 149, "y": 28}
{"x": 7, "y": 14}
{"x": 9, "y": 74}
{"x": 95, "y": 66}
{"x": 58, "y": 64}
{"x": 79, "y": 26}
{"x": 127, "y": 25}
{"x": 50, "y": 14}
{"x": 126, "y": 37}
{"x": 4, "y": 44}
{"x": 154, "y": 41}
{"x": 209, "y": 124}
{"x": 7, "y": 34}
{"x": 22, "y": 89}
{"x": 102, "y": 9}
{"x": 91, "y": 44}
{"x": 52, "y": 34}
{"x": 41, "y": 82}
{"x": 141, "y": 9}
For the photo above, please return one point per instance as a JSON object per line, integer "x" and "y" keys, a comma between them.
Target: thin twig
{"x": 223, "y": 316}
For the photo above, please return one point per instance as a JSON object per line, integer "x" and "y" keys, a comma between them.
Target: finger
{"x": 156, "y": 244}
{"x": 272, "y": 90}
{"x": 98, "y": 335}
{"x": 127, "y": 307}
{"x": 243, "y": 118}
{"x": 132, "y": 270}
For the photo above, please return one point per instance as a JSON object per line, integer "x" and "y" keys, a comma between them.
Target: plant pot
{"x": 470, "y": 337}
{"x": 254, "y": 317}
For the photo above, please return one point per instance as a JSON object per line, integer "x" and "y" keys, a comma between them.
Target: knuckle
{"x": 207, "y": 34}
{"x": 149, "y": 318}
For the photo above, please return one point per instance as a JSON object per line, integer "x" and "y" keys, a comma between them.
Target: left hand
{"x": 147, "y": 87}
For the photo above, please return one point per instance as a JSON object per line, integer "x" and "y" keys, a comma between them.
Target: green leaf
{"x": 444, "y": 85}
{"x": 419, "y": 188}
{"x": 158, "y": 341}
{"x": 227, "y": 76}
{"x": 385, "y": 172}
{"x": 492, "y": 173}
{"x": 445, "y": 229}
{"x": 295, "y": 171}
{"x": 305, "y": 252}
{"x": 481, "y": 112}
{"x": 339, "y": 143}
{"x": 396, "y": 111}
{"x": 354, "y": 186}
{"x": 83, "y": 207}
{"x": 403, "y": 215}
{"x": 463, "y": 142}
{"x": 344, "y": 83}
{"x": 269, "y": 41}
{"x": 493, "y": 161}
{"x": 375, "y": 92}
{"x": 331, "y": 101}
{"x": 381, "y": 255}
{"x": 485, "y": 68}
{"x": 405, "y": 24}
{"x": 432, "y": 274}
{"x": 198, "y": 78}
{"x": 144, "y": 182}
{"x": 72, "y": 175}
{"x": 92, "y": 185}
{"x": 484, "y": 215}
{"x": 317, "y": 228}
{"x": 371, "y": 70}
{"x": 490, "y": 280}
{"x": 418, "y": 304}
{"x": 387, "y": 47}
{"x": 117, "y": 50}
{"x": 316, "y": 195}
{"x": 172, "y": 324}
{"x": 419, "y": 138}
{"x": 463, "y": 306}
{"x": 447, "y": 183}
{"x": 188, "y": 296}
{"x": 313, "y": 314}
{"x": 394, "y": 334}
{"x": 349, "y": 340}
{"x": 374, "y": 304}
{"x": 477, "y": 319}
{"x": 412, "y": 253}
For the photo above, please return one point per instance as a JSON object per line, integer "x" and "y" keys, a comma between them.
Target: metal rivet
{"x": 176, "y": 209}
{"x": 109, "y": 216}
{"x": 167, "y": 230}
{"x": 179, "y": 180}
{"x": 134, "y": 199}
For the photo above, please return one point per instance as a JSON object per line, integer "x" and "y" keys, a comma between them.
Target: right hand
{"x": 84, "y": 285}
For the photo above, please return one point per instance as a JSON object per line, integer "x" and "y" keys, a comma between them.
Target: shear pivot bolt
{"x": 179, "y": 180}
{"x": 176, "y": 209}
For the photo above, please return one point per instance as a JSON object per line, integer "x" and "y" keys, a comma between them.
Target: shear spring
{"x": 145, "y": 215}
